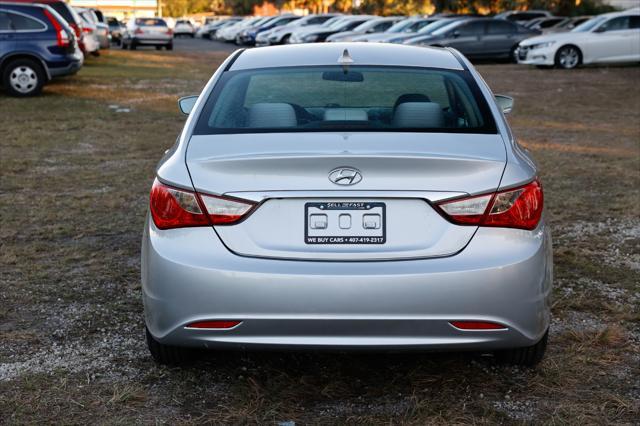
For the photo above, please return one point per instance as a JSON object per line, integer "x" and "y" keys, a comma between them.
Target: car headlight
{"x": 542, "y": 45}
{"x": 310, "y": 37}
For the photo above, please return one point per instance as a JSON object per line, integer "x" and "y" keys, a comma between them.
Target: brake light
{"x": 138, "y": 31}
{"x": 169, "y": 31}
{"x": 513, "y": 208}
{"x": 179, "y": 208}
{"x": 62, "y": 37}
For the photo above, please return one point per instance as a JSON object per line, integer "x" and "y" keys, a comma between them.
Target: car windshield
{"x": 434, "y": 26}
{"x": 589, "y": 25}
{"x": 330, "y": 98}
{"x": 401, "y": 26}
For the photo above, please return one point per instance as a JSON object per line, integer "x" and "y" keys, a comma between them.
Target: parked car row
{"x": 529, "y": 37}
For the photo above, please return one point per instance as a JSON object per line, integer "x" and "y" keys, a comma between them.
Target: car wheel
{"x": 123, "y": 45}
{"x": 23, "y": 77}
{"x": 168, "y": 355}
{"x": 158, "y": 47}
{"x": 528, "y": 356}
{"x": 568, "y": 57}
{"x": 285, "y": 39}
{"x": 170, "y": 46}
{"x": 512, "y": 55}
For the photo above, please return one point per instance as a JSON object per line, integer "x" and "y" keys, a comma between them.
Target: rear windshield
{"x": 360, "y": 98}
{"x": 150, "y": 22}
{"x": 65, "y": 11}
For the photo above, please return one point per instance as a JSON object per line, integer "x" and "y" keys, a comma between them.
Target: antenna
{"x": 345, "y": 58}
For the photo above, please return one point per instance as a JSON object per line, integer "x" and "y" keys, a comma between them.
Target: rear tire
{"x": 170, "y": 46}
{"x": 528, "y": 356}
{"x": 158, "y": 47}
{"x": 168, "y": 355}
{"x": 23, "y": 77}
{"x": 133, "y": 45}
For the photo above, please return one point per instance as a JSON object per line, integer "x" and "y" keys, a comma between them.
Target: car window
{"x": 365, "y": 98}
{"x": 65, "y": 12}
{"x": 634, "y": 22}
{"x": 615, "y": 24}
{"x": 23, "y": 23}
{"x": 589, "y": 24}
{"x": 500, "y": 27}
{"x": 472, "y": 28}
{"x": 548, "y": 23}
{"x": 5, "y": 22}
{"x": 150, "y": 22}
{"x": 382, "y": 26}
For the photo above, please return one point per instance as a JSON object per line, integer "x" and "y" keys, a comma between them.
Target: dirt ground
{"x": 76, "y": 167}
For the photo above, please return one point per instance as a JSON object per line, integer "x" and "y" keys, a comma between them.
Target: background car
{"x": 104, "y": 33}
{"x": 424, "y": 32}
{"x": 373, "y": 26}
{"x": 42, "y": 46}
{"x": 609, "y": 38}
{"x": 68, "y": 14}
{"x": 406, "y": 27}
{"x": 479, "y": 38}
{"x": 116, "y": 28}
{"x": 184, "y": 27}
{"x": 281, "y": 35}
{"x": 320, "y": 34}
{"x": 521, "y": 16}
{"x": 89, "y": 30}
{"x": 147, "y": 32}
{"x": 208, "y": 29}
{"x": 229, "y": 34}
{"x": 248, "y": 36}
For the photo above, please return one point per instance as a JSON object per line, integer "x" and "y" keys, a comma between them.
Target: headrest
{"x": 418, "y": 115}
{"x": 345, "y": 114}
{"x": 411, "y": 97}
{"x": 269, "y": 115}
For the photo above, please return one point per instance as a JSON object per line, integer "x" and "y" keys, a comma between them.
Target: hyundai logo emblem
{"x": 345, "y": 176}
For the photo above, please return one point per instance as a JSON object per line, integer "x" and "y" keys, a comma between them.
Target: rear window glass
{"x": 64, "y": 11}
{"x": 150, "y": 22}
{"x": 361, "y": 98}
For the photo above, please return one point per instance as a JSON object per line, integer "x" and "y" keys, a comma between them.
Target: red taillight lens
{"x": 61, "y": 34}
{"x": 213, "y": 324}
{"x": 138, "y": 31}
{"x": 169, "y": 31}
{"x": 179, "y": 208}
{"x": 477, "y": 325}
{"x": 513, "y": 208}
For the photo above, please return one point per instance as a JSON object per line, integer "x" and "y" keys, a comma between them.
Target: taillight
{"x": 513, "y": 208}
{"x": 179, "y": 208}
{"x": 169, "y": 31}
{"x": 61, "y": 34}
{"x": 138, "y": 31}
{"x": 87, "y": 30}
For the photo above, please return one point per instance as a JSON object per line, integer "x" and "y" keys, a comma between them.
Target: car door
{"x": 7, "y": 42}
{"x": 634, "y": 39}
{"x": 610, "y": 42}
{"x": 468, "y": 38}
{"x": 500, "y": 38}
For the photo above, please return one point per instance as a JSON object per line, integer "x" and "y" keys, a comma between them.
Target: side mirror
{"x": 600, "y": 29}
{"x": 505, "y": 103}
{"x": 186, "y": 104}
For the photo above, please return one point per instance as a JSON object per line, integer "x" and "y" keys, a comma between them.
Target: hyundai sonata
{"x": 347, "y": 195}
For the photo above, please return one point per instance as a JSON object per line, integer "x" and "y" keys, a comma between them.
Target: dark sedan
{"x": 478, "y": 38}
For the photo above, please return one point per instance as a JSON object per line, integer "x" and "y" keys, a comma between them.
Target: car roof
{"x": 319, "y": 54}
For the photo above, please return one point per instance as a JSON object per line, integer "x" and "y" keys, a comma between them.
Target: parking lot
{"x": 77, "y": 165}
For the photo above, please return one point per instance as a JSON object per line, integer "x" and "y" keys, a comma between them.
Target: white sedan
{"x": 608, "y": 38}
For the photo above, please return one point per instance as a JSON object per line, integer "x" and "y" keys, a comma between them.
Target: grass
{"x": 73, "y": 189}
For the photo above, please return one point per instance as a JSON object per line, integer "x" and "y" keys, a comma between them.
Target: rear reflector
{"x": 213, "y": 324}
{"x": 477, "y": 325}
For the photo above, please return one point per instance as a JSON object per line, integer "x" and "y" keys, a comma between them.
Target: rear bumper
{"x": 504, "y": 276}
{"x": 152, "y": 40}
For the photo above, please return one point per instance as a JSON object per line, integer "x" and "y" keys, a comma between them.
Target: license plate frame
{"x": 357, "y": 209}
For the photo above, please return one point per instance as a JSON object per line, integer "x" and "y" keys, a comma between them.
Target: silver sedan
{"x": 347, "y": 195}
